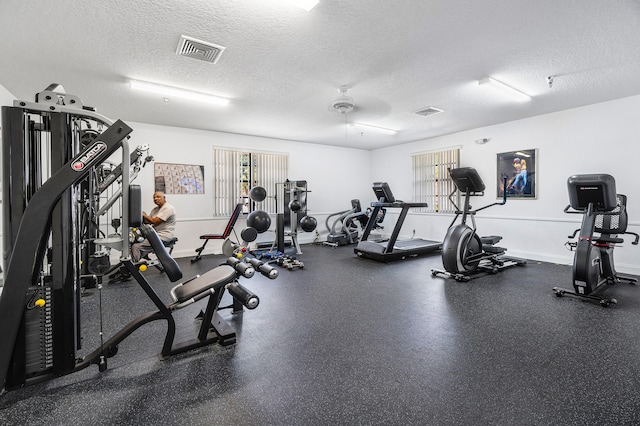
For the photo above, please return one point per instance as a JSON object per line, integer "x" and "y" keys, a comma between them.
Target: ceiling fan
{"x": 343, "y": 104}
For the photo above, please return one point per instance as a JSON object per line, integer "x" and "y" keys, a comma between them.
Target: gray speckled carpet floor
{"x": 351, "y": 341}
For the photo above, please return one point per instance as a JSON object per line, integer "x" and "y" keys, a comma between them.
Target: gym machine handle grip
{"x": 264, "y": 268}
{"x": 244, "y": 296}
{"x": 242, "y": 268}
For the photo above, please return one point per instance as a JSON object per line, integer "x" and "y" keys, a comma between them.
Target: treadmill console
{"x": 383, "y": 192}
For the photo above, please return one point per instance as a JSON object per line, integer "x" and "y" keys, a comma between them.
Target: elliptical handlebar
{"x": 501, "y": 203}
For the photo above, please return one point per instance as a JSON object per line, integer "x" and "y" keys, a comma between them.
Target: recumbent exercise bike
{"x": 604, "y": 212}
{"x": 464, "y": 253}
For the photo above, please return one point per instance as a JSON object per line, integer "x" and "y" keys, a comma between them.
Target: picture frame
{"x": 179, "y": 178}
{"x": 519, "y": 168}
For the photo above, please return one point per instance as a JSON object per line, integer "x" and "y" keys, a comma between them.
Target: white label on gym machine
{"x": 88, "y": 156}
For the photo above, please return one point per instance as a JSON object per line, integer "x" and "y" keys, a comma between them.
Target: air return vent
{"x": 428, "y": 111}
{"x": 198, "y": 49}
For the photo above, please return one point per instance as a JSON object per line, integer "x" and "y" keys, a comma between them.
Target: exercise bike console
{"x": 599, "y": 191}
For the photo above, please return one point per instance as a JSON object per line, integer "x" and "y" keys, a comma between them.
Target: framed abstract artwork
{"x": 179, "y": 178}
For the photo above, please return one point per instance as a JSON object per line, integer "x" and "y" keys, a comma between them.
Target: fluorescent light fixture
{"x": 169, "y": 92}
{"x": 522, "y": 154}
{"x": 304, "y": 4}
{"x": 375, "y": 128}
{"x": 505, "y": 88}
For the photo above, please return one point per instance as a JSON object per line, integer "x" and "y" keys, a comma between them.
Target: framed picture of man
{"x": 519, "y": 169}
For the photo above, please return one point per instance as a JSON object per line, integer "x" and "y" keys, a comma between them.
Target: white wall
{"x": 601, "y": 138}
{"x": 334, "y": 176}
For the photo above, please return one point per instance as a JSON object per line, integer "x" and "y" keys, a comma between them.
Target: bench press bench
{"x": 223, "y": 236}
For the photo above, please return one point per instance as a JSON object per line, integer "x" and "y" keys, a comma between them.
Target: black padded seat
{"x": 197, "y": 287}
{"x": 607, "y": 240}
{"x": 170, "y": 243}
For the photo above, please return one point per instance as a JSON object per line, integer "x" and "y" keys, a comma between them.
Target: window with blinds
{"x": 431, "y": 181}
{"x": 236, "y": 172}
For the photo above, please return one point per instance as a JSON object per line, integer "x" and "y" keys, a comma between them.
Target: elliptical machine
{"x": 464, "y": 253}
{"x": 344, "y": 230}
{"x": 604, "y": 212}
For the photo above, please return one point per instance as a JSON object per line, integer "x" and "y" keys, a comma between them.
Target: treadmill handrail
{"x": 398, "y": 204}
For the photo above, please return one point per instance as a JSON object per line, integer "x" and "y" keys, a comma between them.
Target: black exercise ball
{"x": 295, "y": 205}
{"x": 258, "y": 194}
{"x": 259, "y": 220}
{"x": 308, "y": 223}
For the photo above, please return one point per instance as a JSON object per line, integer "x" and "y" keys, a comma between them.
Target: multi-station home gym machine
{"x": 293, "y": 216}
{"x": 604, "y": 219}
{"x": 59, "y": 184}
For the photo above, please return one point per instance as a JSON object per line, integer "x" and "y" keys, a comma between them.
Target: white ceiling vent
{"x": 428, "y": 111}
{"x": 198, "y": 49}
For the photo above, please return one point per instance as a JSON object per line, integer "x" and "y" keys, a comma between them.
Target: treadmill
{"x": 392, "y": 249}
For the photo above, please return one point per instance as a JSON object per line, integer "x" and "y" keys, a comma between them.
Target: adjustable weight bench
{"x": 223, "y": 236}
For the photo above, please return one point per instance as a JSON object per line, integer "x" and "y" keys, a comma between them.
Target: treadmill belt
{"x": 413, "y": 244}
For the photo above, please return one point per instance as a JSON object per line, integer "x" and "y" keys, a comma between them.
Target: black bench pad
{"x": 220, "y": 275}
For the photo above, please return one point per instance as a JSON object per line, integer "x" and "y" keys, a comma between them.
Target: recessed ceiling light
{"x": 304, "y": 4}
{"x": 168, "y": 92}
{"x": 504, "y": 88}
{"x": 375, "y": 128}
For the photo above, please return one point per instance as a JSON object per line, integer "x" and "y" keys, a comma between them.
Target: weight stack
{"x": 39, "y": 332}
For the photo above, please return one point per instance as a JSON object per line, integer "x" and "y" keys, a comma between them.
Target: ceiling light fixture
{"x": 505, "y": 89}
{"x": 304, "y": 4}
{"x": 169, "y": 92}
{"x": 375, "y": 128}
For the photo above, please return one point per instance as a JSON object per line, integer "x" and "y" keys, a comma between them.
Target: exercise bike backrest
{"x": 614, "y": 221}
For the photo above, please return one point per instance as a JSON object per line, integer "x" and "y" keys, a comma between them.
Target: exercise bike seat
{"x": 607, "y": 240}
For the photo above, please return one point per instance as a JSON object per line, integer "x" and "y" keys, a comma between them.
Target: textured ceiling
{"x": 282, "y": 66}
